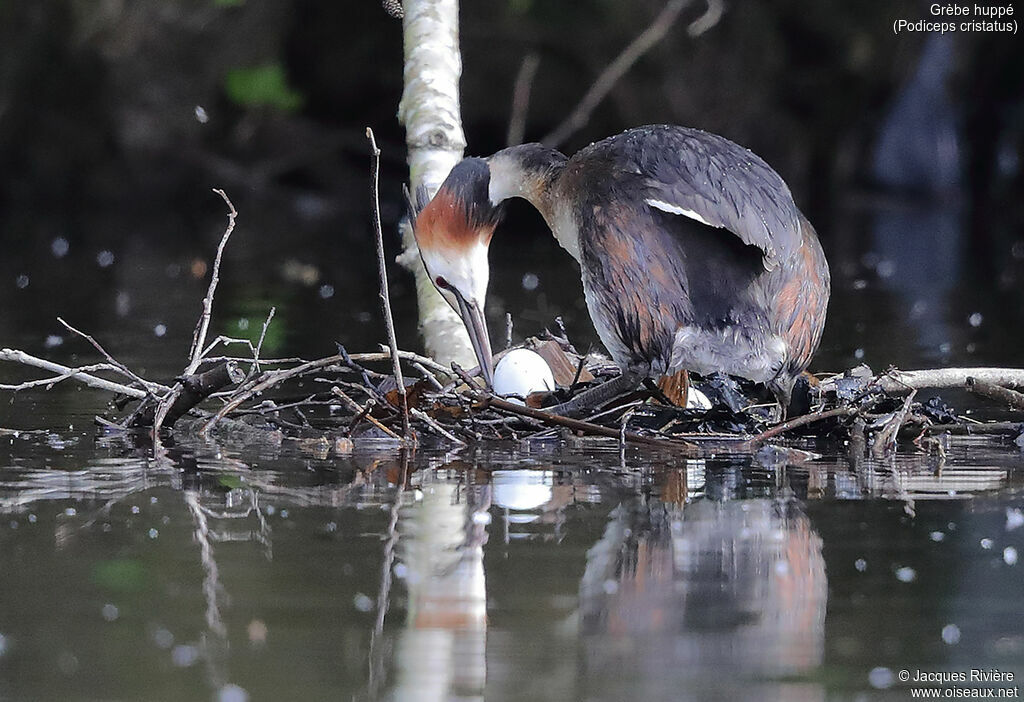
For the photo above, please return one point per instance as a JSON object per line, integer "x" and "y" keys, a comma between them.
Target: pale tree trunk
{"x": 433, "y": 127}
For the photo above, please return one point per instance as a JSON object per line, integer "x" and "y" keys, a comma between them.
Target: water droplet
{"x": 60, "y": 247}
{"x": 184, "y": 655}
{"x": 1014, "y": 518}
{"x": 232, "y": 693}
{"x": 906, "y": 574}
{"x": 881, "y": 678}
{"x": 886, "y": 268}
{"x": 951, "y": 634}
{"x": 163, "y": 638}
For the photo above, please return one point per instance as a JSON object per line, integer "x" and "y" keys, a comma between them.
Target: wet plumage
{"x": 692, "y": 252}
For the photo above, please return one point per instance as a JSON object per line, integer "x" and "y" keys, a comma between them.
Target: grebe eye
{"x": 442, "y": 283}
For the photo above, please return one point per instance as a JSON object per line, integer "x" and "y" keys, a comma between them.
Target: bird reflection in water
{"x": 673, "y": 593}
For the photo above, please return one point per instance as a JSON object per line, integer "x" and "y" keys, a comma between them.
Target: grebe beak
{"x": 473, "y": 318}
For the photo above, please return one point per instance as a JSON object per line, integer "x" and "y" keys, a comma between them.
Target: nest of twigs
{"x": 408, "y": 399}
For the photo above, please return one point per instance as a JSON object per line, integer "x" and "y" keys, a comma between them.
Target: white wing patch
{"x": 676, "y": 209}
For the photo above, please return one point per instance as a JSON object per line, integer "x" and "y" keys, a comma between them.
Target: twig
{"x": 886, "y": 438}
{"x": 801, "y": 421}
{"x": 996, "y": 392}
{"x": 611, "y": 75}
{"x": 80, "y": 374}
{"x": 508, "y": 330}
{"x": 146, "y": 385}
{"x": 270, "y": 379}
{"x": 385, "y": 300}
{"x": 263, "y": 335}
{"x": 202, "y": 327}
{"x": 433, "y": 424}
{"x": 199, "y": 336}
{"x": 362, "y": 412}
{"x": 521, "y": 98}
{"x": 409, "y": 356}
{"x": 708, "y": 20}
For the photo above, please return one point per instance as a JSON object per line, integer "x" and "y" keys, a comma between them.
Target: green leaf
{"x": 262, "y": 86}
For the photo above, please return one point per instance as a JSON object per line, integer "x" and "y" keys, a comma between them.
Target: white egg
{"x": 521, "y": 489}
{"x": 521, "y": 372}
{"x": 695, "y": 399}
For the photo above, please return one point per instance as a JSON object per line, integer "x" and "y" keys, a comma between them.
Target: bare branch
{"x": 611, "y": 75}
{"x": 81, "y": 374}
{"x": 903, "y": 381}
{"x": 148, "y": 386}
{"x": 199, "y": 337}
{"x": 385, "y": 299}
{"x": 521, "y": 98}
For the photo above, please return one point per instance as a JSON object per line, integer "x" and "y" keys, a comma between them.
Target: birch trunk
{"x": 433, "y": 133}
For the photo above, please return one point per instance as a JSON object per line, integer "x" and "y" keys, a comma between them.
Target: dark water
{"x": 542, "y": 573}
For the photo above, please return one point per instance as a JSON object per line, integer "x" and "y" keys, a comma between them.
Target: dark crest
{"x": 467, "y": 185}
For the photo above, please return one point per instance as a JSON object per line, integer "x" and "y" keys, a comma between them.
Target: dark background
{"x": 904, "y": 150}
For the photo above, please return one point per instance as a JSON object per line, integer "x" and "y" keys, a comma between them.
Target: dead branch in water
{"x": 1008, "y": 397}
